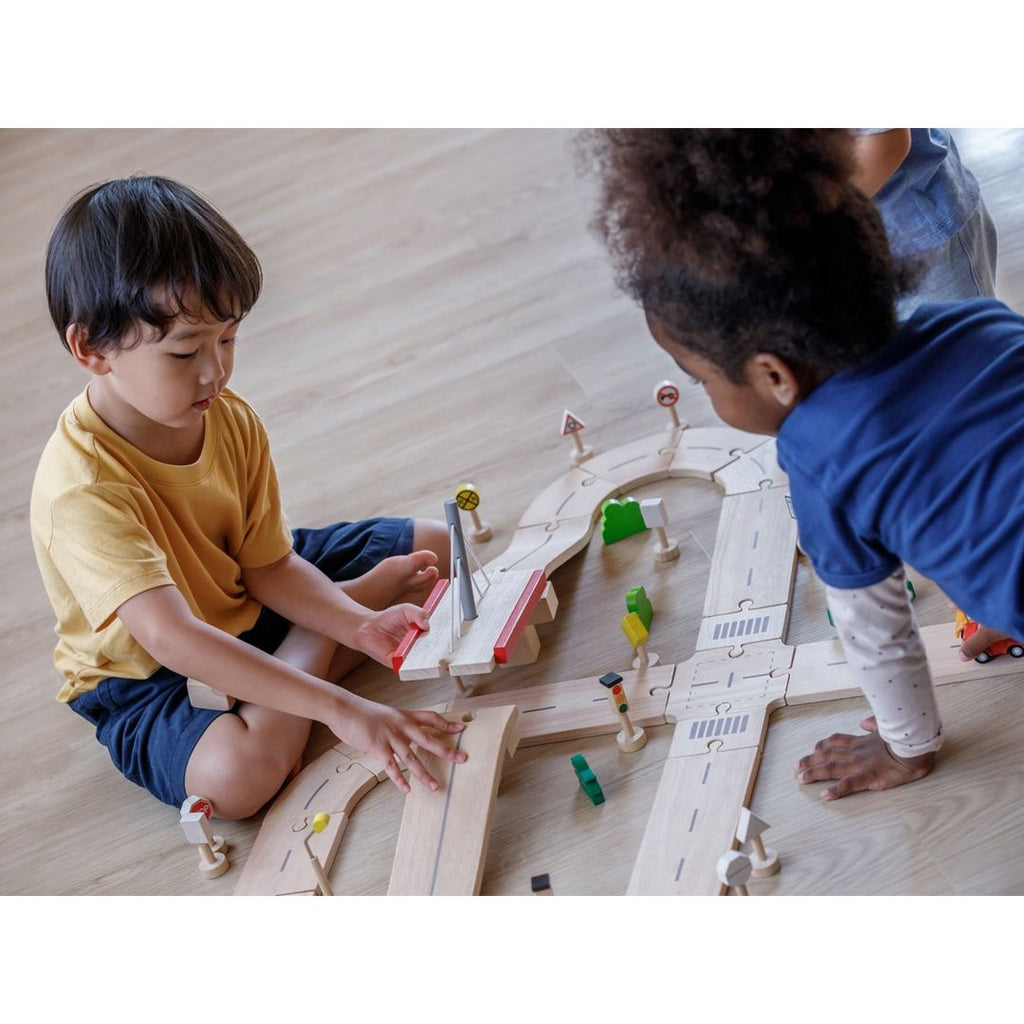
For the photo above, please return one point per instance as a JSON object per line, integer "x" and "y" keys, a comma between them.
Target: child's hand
{"x": 381, "y": 632}
{"x": 859, "y": 763}
{"x": 384, "y": 732}
{"x": 981, "y": 640}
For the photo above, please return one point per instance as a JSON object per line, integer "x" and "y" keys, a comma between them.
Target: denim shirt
{"x": 930, "y": 196}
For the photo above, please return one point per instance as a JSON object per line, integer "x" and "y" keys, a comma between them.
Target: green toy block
{"x": 638, "y": 601}
{"x": 587, "y": 779}
{"x": 621, "y": 519}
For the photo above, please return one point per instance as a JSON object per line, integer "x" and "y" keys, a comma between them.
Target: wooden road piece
{"x": 432, "y": 655}
{"x": 278, "y": 864}
{"x": 754, "y": 557}
{"x": 576, "y": 708}
{"x": 692, "y": 820}
{"x": 701, "y": 452}
{"x": 756, "y": 679}
{"x": 442, "y": 841}
{"x": 579, "y": 492}
{"x": 544, "y": 546}
{"x": 752, "y": 471}
{"x": 644, "y": 461}
{"x": 746, "y": 626}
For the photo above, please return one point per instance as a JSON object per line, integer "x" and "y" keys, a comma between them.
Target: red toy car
{"x": 967, "y": 627}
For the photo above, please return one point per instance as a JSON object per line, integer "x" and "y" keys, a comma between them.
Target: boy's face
{"x": 756, "y": 405}
{"x": 164, "y": 382}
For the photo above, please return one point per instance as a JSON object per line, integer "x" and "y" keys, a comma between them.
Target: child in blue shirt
{"x": 766, "y": 274}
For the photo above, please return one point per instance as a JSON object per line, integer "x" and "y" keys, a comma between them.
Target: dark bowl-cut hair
{"x": 143, "y": 250}
{"x": 745, "y": 240}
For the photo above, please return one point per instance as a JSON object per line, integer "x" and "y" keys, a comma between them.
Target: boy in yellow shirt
{"x": 157, "y": 525}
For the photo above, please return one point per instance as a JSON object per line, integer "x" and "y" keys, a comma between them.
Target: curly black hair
{"x": 745, "y": 240}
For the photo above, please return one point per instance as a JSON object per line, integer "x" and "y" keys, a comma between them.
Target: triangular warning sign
{"x": 750, "y": 825}
{"x": 571, "y": 424}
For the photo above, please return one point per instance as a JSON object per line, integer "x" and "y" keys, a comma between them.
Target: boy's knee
{"x": 239, "y": 782}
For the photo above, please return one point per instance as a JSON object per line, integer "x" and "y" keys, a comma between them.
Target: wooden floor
{"x": 433, "y": 303}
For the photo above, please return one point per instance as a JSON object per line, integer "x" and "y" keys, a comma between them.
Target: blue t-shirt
{"x": 929, "y": 197}
{"x": 917, "y": 456}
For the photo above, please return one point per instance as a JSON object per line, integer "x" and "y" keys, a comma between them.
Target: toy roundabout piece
{"x": 719, "y": 699}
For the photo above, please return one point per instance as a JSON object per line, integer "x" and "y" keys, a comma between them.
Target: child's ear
{"x": 77, "y": 337}
{"x": 774, "y": 379}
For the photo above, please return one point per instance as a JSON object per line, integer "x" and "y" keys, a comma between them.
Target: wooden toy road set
{"x": 720, "y": 699}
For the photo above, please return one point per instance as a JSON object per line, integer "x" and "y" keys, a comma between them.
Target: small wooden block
{"x": 540, "y": 885}
{"x": 202, "y": 696}
{"x": 547, "y": 607}
{"x": 527, "y": 650}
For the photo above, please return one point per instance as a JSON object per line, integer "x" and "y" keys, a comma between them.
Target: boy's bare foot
{"x": 395, "y": 580}
{"x": 860, "y": 763}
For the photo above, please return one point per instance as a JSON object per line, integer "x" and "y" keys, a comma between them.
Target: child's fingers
{"x": 432, "y": 720}
{"x": 418, "y": 771}
{"x": 437, "y": 746}
{"x": 394, "y": 774}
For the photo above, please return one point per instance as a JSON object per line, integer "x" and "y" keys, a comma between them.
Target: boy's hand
{"x": 860, "y": 763}
{"x": 384, "y": 732}
{"x": 981, "y": 640}
{"x": 381, "y": 632}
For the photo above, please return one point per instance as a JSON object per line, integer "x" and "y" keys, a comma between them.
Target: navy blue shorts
{"x": 148, "y": 725}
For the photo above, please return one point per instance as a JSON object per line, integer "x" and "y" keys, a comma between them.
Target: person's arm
{"x": 162, "y": 622}
{"x": 878, "y": 157}
{"x": 887, "y": 660}
{"x": 301, "y": 593}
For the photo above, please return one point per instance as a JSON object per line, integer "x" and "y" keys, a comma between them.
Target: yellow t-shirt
{"x": 108, "y": 522}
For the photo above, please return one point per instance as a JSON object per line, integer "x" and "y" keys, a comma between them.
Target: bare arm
{"x": 878, "y": 157}
{"x": 887, "y": 660}
{"x": 301, "y": 593}
{"x": 162, "y": 622}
